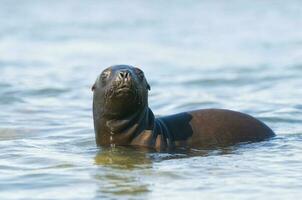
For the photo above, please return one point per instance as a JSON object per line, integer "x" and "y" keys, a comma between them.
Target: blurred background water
{"x": 236, "y": 54}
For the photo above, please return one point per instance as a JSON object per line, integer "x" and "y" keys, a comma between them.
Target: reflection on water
{"x": 115, "y": 176}
{"x": 125, "y": 171}
{"x": 123, "y": 157}
{"x": 241, "y": 55}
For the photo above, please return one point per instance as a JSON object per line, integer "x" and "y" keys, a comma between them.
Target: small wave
{"x": 280, "y": 120}
{"x": 13, "y": 134}
{"x": 46, "y": 92}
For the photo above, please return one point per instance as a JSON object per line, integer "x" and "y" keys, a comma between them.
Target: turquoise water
{"x": 240, "y": 55}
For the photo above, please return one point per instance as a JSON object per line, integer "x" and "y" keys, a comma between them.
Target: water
{"x": 241, "y": 55}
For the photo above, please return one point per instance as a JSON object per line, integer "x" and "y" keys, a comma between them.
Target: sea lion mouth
{"x": 124, "y": 86}
{"x": 124, "y": 89}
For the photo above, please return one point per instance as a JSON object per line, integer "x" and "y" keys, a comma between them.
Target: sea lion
{"x": 122, "y": 117}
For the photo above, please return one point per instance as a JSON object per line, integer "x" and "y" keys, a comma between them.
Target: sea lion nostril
{"x": 124, "y": 75}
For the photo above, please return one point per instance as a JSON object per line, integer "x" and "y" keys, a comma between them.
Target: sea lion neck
{"x": 111, "y": 132}
{"x": 118, "y": 125}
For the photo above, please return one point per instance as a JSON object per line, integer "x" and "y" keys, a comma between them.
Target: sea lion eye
{"x": 141, "y": 76}
{"x": 139, "y": 73}
{"x": 105, "y": 75}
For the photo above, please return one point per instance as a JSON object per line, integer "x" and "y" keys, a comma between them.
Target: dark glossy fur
{"x": 122, "y": 117}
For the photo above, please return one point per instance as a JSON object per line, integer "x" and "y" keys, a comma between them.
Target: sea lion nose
{"x": 124, "y": 75}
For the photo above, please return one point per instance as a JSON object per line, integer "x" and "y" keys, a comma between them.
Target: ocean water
{"x": 236, "y": 54}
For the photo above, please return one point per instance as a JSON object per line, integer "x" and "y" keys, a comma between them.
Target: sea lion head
{"x": 119, "y": 91}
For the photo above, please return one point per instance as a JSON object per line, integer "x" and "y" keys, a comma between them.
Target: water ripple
{"x": 240, "y": 55}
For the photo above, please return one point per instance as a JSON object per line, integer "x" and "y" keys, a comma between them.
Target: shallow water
{"x": 241, "y": 55}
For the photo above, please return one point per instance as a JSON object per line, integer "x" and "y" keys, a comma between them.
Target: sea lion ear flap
{"x": 148, "y": 86}
{"x": 93, "y": 87}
